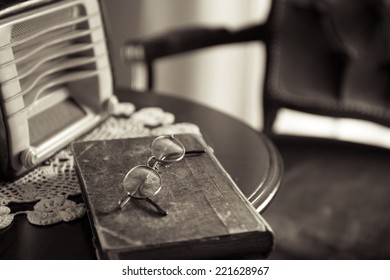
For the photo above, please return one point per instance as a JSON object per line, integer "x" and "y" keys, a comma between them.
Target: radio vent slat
{"x": 44, "y": 75}
{"x": 49, "y": 29}
{"x": 57, "y": 41}
{"x": 26, "y": 28}
{"x": 48, "y": 82}
{"x": 32, "y": 64}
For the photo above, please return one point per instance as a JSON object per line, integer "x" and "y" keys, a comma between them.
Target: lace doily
{"x": 51, "y": 184}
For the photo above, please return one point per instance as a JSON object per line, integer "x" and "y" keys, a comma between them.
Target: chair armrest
{"x": 141, "y": 53}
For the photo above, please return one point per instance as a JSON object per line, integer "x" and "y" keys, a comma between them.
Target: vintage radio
{"x": 55, "y": 78}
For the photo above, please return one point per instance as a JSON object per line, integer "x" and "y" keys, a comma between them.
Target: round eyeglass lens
{"x": 142, "y": 182}
{"x": 167, "y": 148}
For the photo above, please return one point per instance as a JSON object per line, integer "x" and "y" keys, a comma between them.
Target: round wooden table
{"x": 248, "y": 156}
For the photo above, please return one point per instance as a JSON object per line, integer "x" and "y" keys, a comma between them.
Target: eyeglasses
{"x": 144, "y": 181}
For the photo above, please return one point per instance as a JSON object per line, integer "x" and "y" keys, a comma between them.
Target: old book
{"x": 208, "y": 216}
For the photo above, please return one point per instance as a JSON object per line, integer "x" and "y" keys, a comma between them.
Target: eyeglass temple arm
{"x": 126, "y": 199}
{"x": 194, "y": 152}
{"x": 155, "y": 205}
{"x": 186, "y": 154}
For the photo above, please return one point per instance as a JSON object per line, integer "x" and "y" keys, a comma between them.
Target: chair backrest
{"x": 329, "y": 57}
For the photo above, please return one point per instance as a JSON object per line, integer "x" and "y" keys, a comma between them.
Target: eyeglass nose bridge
{"x": 152, "y": 162}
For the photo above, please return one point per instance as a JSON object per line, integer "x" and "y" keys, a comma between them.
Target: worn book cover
{"x": 207, "y": 215}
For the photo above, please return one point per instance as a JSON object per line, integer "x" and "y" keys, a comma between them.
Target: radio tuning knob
{"x": 29, "y": 157}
